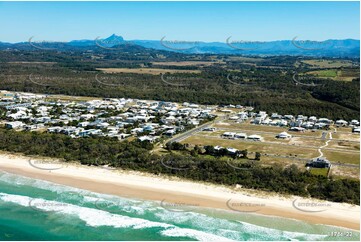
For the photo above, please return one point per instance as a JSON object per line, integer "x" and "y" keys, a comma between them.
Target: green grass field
{"x": 319, "y": 171}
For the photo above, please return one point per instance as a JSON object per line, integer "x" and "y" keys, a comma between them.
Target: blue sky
{"x": 191, "y": 21}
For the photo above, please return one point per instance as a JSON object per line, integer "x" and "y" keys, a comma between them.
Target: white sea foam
{"x": 92, "y": 217}
{"x": 194, "y": 234}
{"x": 96, "y": 218}
{"x": 269, "y": 233}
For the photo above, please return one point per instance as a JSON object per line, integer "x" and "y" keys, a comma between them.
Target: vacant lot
{"x": 255, "y": 146}
{"x": 328, "y": 63}
{"x": 343, "y": 148}
{"x": 149, "y": 71}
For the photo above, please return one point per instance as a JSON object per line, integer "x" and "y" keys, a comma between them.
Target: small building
{"x": 150, "y": 139}
{"x": 228, "y": 135}
{"x": 240, "y": 136}
{"x": 341, "y": 123}
{"x": 284, "y": 135}
{"x": 255, "y": 137}
{"x": 14, "y": 125}
{"x": 232, "y": 151}
{"x": 356, "y": 130}
{"x": 319, "y": 162}
{"x": 297, "y": 129}
{"x": 210, "y": 129}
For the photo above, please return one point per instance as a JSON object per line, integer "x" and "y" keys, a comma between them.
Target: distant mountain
{"x": 327, "y": 48}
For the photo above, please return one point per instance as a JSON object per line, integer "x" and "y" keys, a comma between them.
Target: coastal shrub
{"x": 137, "y": 156}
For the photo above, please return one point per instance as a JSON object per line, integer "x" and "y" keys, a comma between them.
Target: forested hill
{"x": 327, "y": 48}
{"x": 284, "y": 84}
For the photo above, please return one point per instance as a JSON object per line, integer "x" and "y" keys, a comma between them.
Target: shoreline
{"x": 135, "y": 185}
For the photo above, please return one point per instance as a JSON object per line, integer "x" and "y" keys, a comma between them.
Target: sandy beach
{"x": 176, "y": 191}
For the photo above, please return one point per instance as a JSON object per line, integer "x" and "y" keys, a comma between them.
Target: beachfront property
{"x": 319, "y": 162}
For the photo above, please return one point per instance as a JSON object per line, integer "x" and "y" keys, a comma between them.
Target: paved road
{"x": 185, "y": 135}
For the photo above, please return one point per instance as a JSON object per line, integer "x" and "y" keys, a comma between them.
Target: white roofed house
{"x": 240, "y": 136}
{"x": 283, "y": 135}
{"x": 55, "y": 129}
{"x": 136, "y": 130}
{"x": 14, "y": 125}
{"x": 341, "y": 123}
{"x": 170, "y": 132}
{"x": 283, "y": 122}
{"x": 320, "y": 125}
{"x": 296, "y": 123}
{"x": 319, "y": 162}
{"x": 255, "y": 137}
{"x": 194, "y": 122}
{"x": 266, "y": 121}
{"x": 312, "y": 119}
{"x": 356, "y": 129}
{"x": 83, "y": 124}
{"x": 150, "y": 139}
{"x": 297, "y": 129}
{"x": 243, "y": 115}
{"x": 18, "y": 115}
{"x": 325, "y": 121}
{"x": 307, "y": 125}
{"x": 233, "y": 117}
{"x": 228, "y": 135}
{"x": 231, "y": 151}
{"x": 89, "y": 132}
{"x": 87, "y": 116}
{"x": 289, "y": 117}
{"x": 355, "y": 122}
{"x": 276, "y": 116}
{"x": 102, "y": 125}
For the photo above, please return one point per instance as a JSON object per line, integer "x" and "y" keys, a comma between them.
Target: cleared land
{"x": 343, "y": 149}
{"x": 337, "y": 75}
{"x": 188, "y": 63}
{"x": 328, "y": 63}
{"x": 149, "y": 71}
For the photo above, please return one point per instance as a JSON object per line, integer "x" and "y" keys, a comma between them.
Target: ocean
{"x": 38, "y": 210}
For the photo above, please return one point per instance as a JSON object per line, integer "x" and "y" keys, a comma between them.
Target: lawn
{"x": 319, "y": 171}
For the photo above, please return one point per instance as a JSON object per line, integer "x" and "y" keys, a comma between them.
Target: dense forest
{"x": 264, "y": 82}
{"x": 137, "y": 156}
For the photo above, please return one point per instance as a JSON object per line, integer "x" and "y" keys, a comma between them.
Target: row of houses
{"x": 147, "y": 120}
{"x": 299, "y": 121}
{"x": 233, "y": 135}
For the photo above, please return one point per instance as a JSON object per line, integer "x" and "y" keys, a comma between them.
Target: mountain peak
{"x": 115, "y": 37}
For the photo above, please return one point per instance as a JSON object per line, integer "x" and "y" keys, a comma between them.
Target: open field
{"x": 70, "y": 98}
{"x": 336, "y": 74}
{"x": 149, "y": 71}
{"x": 188, "y": 63}
{"x": 345, "y": 172}
{"x": 343, "y": 157}
{"x": 346, "y": 145}
{"x": 254, "y": 146}
{"x": 346, "y": 135}
{"x": 344, "y": 148}
{"x": 328, "y": 63}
